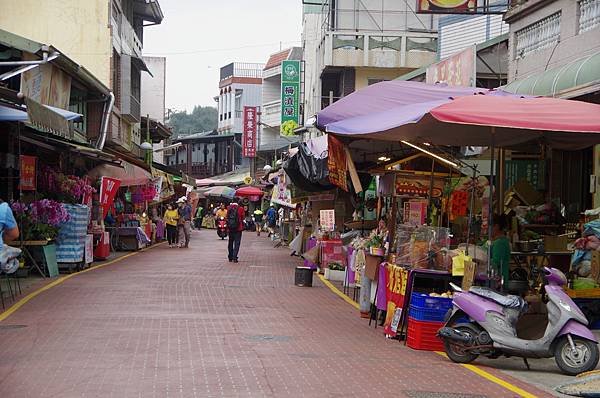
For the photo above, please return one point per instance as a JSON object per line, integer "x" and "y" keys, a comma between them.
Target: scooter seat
{"x": 505, "y": 300}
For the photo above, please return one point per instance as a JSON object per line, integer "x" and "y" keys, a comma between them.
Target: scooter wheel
{"x": 573, "y": 362}
{"x": 457, "y": 352}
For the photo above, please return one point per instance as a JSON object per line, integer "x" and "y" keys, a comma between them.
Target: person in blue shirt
{"x": 9, "y": 229}
{"x": 271, "y": 219}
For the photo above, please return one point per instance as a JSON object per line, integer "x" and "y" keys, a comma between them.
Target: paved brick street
{"x": 186, "y": 323}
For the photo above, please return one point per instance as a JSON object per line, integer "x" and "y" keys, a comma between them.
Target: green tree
{"x": 202, "y": 118}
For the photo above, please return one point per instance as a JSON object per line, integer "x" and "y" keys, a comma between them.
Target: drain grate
{"x": 9, "y": 327}
{"x": 433, "y": 394}
{"x": 267, "y": 338}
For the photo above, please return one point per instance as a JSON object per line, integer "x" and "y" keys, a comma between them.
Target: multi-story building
{"x": 240, "y": 85}
{"x": 106, "y": 37}
{"x": 554, "y": 51}
{"x": 209, "y": 153}
{"x": 153, "y": 106}
{"x": 349, "y": 45}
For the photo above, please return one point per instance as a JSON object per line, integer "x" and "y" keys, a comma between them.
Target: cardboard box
{"x": 556, "y": 243}
{"x": 595, "y": 266}
{"x": 372, "y": 266}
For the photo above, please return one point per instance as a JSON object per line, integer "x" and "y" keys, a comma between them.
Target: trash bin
{"x": 303, "y": 277}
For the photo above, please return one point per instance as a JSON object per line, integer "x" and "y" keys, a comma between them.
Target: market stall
{"x": 428, "y": 119}
{"x": 123, "y": 213}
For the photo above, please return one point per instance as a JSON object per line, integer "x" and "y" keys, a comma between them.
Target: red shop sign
{"x": 28, "y": 174}
{"x": 249, "y": 138}
{"x": 108, "y": 190}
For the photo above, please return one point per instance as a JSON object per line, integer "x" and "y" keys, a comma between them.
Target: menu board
{"x": 533, "y": 171}
{"x": 327, "y": 220}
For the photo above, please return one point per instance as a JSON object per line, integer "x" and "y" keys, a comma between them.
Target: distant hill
{"x": 202, "y": 118}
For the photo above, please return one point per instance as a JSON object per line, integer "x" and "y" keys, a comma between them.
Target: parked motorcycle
{"x": 222, "y": 227}
{"x": 483, "y": 322}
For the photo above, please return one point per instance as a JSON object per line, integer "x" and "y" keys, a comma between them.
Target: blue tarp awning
{"x": 10, "y": 114}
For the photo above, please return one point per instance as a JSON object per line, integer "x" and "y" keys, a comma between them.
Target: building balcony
{"x": 124, "y": 36}
{"x": 271, "y": 113}
{"x": 206, "y": 170}
{"x": 390, "y": 50}
{"x": 130, "y": 109}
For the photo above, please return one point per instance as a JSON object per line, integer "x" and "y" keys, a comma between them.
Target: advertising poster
{"x": 28, "y": 173}
{"x": 249, "y": 132}
{"x": 290, "y": 97}
{"x": 456, "y": 70}
{"x": 157, "y": 185}
{"x": 327, "y": 218}
{"x": 108, "y": 190}
{"x": 337, "y": 163}
{"x": 397, "y": 278}
{"x": 447, "y": 6}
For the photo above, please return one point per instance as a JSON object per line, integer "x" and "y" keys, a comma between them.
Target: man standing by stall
{"x": 235, "y": 225}
{"x": 185, "y": 222}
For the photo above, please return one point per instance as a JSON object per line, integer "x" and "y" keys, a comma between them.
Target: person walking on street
{"x": 185, "y": 222}
{"x": 170, "y": 219}
{"x": 199, "y": 217}
{"x": 258, "y": 219}
{"x": 271, "y": 219}
{"x": 235, "y": 225}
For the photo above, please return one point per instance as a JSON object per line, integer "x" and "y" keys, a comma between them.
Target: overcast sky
{"x": 200, "y": 36}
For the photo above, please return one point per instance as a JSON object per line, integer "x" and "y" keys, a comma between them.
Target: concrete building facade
{"x": 349, "y": 45}
{"x": 106, "y": 37}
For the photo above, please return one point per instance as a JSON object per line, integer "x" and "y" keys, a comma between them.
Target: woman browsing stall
{"x": 170, "y": 219}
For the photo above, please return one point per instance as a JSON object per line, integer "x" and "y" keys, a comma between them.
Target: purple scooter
{"x": 483, "y": 322}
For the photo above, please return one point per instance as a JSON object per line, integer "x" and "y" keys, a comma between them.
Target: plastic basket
{"x": 421, "y": 300}
{"x": 423, "y": 335}
{"x": 427, "y": 314}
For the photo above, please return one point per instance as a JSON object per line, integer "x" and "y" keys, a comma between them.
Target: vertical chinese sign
{"x": 27, "y": 175}
{"x": 108, "y": 190}
{"x": 249, "y": 132}
{"x": 290, "y": 97}
{"x": 337, "y": 162}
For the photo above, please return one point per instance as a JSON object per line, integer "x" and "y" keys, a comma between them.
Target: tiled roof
{"x": 277, "y": 58}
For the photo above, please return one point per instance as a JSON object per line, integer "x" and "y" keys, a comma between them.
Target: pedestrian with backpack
{"x": 235, "y": 226}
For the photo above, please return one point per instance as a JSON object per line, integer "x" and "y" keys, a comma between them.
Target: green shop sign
{"x": 290, "y": 97}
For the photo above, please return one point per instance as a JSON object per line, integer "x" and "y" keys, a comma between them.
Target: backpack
{"x": 233, "y": 220}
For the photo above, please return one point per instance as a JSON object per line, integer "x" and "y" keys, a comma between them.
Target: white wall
{"x": 153, "y": 88}
{"x": 153, "y": 96}
{"x": 459, "y": 35}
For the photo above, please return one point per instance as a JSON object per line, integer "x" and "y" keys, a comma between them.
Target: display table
{"x": 29, "y": 247}
{"x": 548, "y": 259}
{"x": 127, "y": 238}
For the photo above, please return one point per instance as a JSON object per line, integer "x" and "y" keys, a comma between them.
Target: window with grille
{"x": 116, "y": 78}
{"x": 542, "y": 34}
{"x": 589, "y": 15}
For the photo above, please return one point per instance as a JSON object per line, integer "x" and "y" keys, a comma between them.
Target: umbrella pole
{"x": 471, "y": 207}
{"x": 491, "y": 204}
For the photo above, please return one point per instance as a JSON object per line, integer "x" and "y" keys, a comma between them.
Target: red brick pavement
{"x": 187, "y": 323}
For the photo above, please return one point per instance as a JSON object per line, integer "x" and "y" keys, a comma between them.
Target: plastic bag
{"x": 9, "y": 261}
{"x": 313, "y": 255}
{"x": 458, "y": 263}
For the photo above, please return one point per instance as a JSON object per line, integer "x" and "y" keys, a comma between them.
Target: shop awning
{"x": 11, "y": 114}
{"x": 468, "y": 120}
{"x": 232, "y": 178}
{"x": 61, "y": 145}
{"x": 129, "y": 174}
{"x": 579, "y": 77}
{"x": 389, "y": 96}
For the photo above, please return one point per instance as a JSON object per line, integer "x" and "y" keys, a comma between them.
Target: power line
{"x": 198, "y": 51}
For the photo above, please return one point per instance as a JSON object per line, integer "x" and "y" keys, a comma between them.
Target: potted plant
{"x": 335, "y": 271}
{"x": 40, "y": 220}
